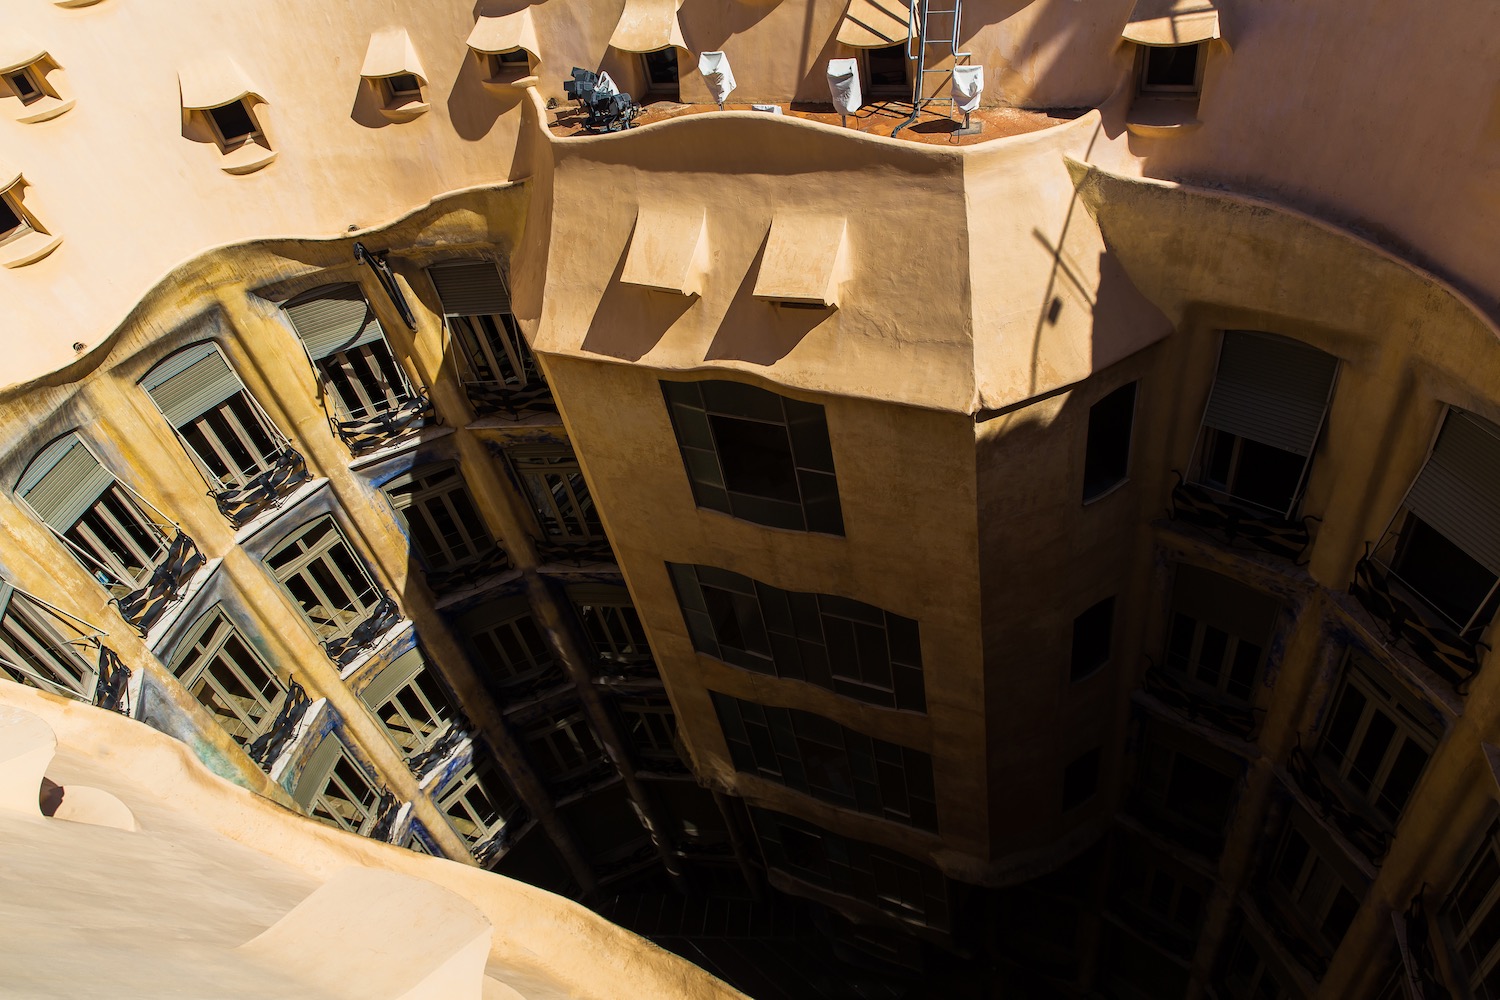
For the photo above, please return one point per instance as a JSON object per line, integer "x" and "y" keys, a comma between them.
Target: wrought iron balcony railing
{"x": 143, "y": 608}
{"x": 371, "y": 433}
{"x": 1196, "y": 705}
{"x": 470, "y": 573}
{"x": 575, "y": 550}
{"x": 344, "y": 650}
{"x": 1448, "y": 654}
{"x": 442, "y": 748}
{"x": 1328, "y": 798}
{"x": 271, "y": 744}
{"x": 487, "y": 852}
{"x": 491, "y": 398}
{"x": 1212, "y": 512}
{"x": 243, "y": 504}
{"x": 112, "y": 690}
{"x": 594, "y": 772}
{"x": 386, "y": 811}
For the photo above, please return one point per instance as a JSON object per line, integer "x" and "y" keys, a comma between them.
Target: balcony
{"x": 372, "y": 433}
{"x": 344, "y": 650}
{"x": 1443, "y": 650}
{"x": 1353, "y": 819}
{"x": 243, "y": 504}
{"x": 1194, "y": 704}
{"x": 1234, "y": 523}
{"x": 143, "y": 608}
{"x": 500, "y": 399}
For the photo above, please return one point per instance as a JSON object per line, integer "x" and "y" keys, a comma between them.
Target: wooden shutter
{"x": 334, "y": 319}
{"x": 470, "y": 288}
{"x": 1458, "y": 490}
{"x": 315, "y": 771}
{"x": 63, "y": 482}
{"x": 393, "y": 678}
{"x": 1271, "y": 390}
{"x": 191, "y": 382}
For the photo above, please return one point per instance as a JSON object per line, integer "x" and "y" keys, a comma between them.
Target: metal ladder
{"x": 926, "y": 27}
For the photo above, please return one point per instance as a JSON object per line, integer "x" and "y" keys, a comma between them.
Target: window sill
{"x": 501, "y": 84}
{"x": 74, "y": 3}
{"x": 194, "y": 587}
{"x": 28, "y": 249}
{"x": 311, "y": 722}
{"x": 404, "y": 444}
{"x": 43, "y": 110}
{"x": 288, "y": 502}
{"x": 381, "y": 641}
{"x": 488, "y": 583}
{"x": 405, "y": 111}
{"x": 1160, "y": 117}
{"x": 246, "y": 159}
{"x": 1109, "y": 490}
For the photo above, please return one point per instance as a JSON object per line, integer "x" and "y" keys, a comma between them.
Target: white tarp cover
{"x": 843, "y": 85}
{"x": 714, "y": 68}
{"x": 968, "y": 84}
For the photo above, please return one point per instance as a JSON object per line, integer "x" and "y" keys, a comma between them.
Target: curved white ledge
{"x": 44, "y": 109}
{"x": 247, "y": 159}
{"x": 28, "y": 249}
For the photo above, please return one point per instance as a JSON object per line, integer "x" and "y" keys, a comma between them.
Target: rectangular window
{"x": 1314, "y": 886}
{"x": 500, "y": 374}
{"x": 1184, "y": 788}
{"x": 234, "y": 122}
{"x": 1092, "y": 639}
{"x": 885, "y": 68}
{"x": 900, "y": 885}
{"x": 563, "y": 748}
{"x": 12, "y": 220}
{"x": 1472, "y": 916}
{"x": 1252, "y": 970}
{"x": 229, "y": 678}
{"x": 479, "y": 804}
{"x": 755, "y": 455}
{"x": 651, "y": 727}
{"x": 1080, "y": 779}
{"x": 1445, "y": 545}
{"x": 1106, "y": 458}
{"x": 225, "y": 431}
{"x": 1172, "y": 69}
{"x": 443, "y": 524}
{"x": 1377, "y": 741}
{"x": 410, "y": 702}
{"x": 350, "y": 351}
{"x": 1218, "y": 633}
{"x": 337, "y": 791}
{"x": 45, "y": 648}
{"x": 843, "y": 645}
{"x": 612, "y": 627}
{"x": 507, "y": 647}
{"x": 1154, "y": 892}
{"x": 553, "y": 481}
{"x": 23, "y": 82}
{"x": 1264, "y": 415}
{"x": 325, "y": 580}
{"x": 821, "y": 758}
{"x": 661, "y": 72}
{"x": 100, "y": 520}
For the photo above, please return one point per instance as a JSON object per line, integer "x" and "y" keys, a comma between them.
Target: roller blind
{"x": 392, "y": 678}
{"x": 1458, "y": 490}
{"x": 320, "y": 764}
{"x": 1271, "y": 390}
{"x": 471, "y": 288}
{"x": 191, "y": 382}
{"x": 334, "y": 319}
{"x": 63, "y": 481}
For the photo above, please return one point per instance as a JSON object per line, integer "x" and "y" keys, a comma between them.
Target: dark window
{"x": 445, "y": 529}
{"x": 1106, "y": 459}
{"x": 1310, "y": 886}
{"x": 24, "y": 86}
{"x": 1171, "y": 67}
{"x": 1184, "y": 789}
{"x": 843, "y": 645}
{"x": 1218, "y": 633}
{"x": 894, "y": 882}
{"x": 10, "y": 219}
{"x": 1091, "y": 639}
{"x": 1473, "y": 919}
{"x": 661, "y": 70}
{"x": 612, "y": 627}
{"x": 404, "y": 85}
{"x": 821, "y": 758}
{"x": 756, "y": 455}
{"x": 1155, "y": 892}
{"x": 1449, "y": 578}
{"x": 1081, "y": 779}
{"x": 1248, "y": 470}
{"x": 563, "y": 748}
{"x": 515, "y": 56}
{"x": 553, "y": 481}
{"x": 887, "y": 69}
{"x": 233, "y": 121}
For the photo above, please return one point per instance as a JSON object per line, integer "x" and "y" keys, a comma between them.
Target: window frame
{"x": 533, "y": 465}
{"x": 435, "y": 485}
{"x": 1194, "y": 89}
{"x": 317, "y": 801}
{"x": 52, "y": 663}
{"x": 226, "y": 143}
{"x": 1124, "y": 478}
{"x": 193, "y": 664}
{"x": 541, "y": 660}
{"x": 304, "y": 561}
{"x": 420, "y": 683}
{"x": 482, "y": 775}
{"x": 625, "y": 624}
{"x": 1323, "y": 863}
{"x": 1222, "y": 623}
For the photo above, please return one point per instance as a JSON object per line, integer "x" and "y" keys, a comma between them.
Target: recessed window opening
{"x": 1092, "y": 632}
{"x": 44, "y": 647}
{"x": 223, "y": 671}
{"x": 886, "y": 69}
{"x": 478, "y": 804}
{"x": 410, "y": 702}
{"x": 404, "y": 85}
{"x": 555, "y": 485}
{"x": 1312, "y": 888}
{"x": 510, "y": 65}
{"x": 661, "y": 71}
{"x": 1264, "y": 416}
{"x": 347, "y": 345}
{"x": 446, "y": 529}
{"x": 12, "y": 222}
{"x": 25, "y": 84}
{"x": 505, "y": 643}
{"x": 611, "y": 624}
{"x": 1106, "y": 458}
{"x": 1471, "y": 916}
{"x": 324, "y": 579}
{"x": 1172, "y": 68}
{"x": 1218, "y": 633}
{"x": 347, "y": 799}
{"x": 234, "y": 122}
{"x": 1081, "y": 779}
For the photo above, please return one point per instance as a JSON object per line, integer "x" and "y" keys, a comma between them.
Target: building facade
{"x": 1068, "y": 557}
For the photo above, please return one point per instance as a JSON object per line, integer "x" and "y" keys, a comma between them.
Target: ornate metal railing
{"x": 660, "y": 762}
{"x": 1421, "y": 964}
{"x": 1195, "y": 706}
{"x": 470, "y": 573}
{"x": 1207, "y": 510}
{"x": 490, "y": 398}
{"x": 487, "y": 852}
{"x": 626, "y": 859}
{"x": 344, "y": 650}
{"x": 366, "y": 435}
{"x": 518, "y": 691}
{"x": 1448, "y": 654}
{"x": 112, "y": 690}
{"x": 1371, "y": 839}
{"x": 386, "y": 811}
{"x": 575, "y": 550}
{"x": 273, "y": 742}
{"x": 443, "y": 747}
{"x": 243, "y": 504}
{"x": 144, "y": 607}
